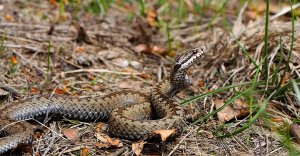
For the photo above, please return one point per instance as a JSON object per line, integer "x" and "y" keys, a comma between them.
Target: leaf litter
{"x": 106, "y": 42}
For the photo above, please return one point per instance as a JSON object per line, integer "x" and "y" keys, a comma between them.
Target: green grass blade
{"x": 186, "y": 102}
{"x": 251, "y": 121}
{"x": 292, "y": 45}
{"x": 266, "y": 53}
{"x": 280, "y": 61}
{"x": 297, "y": 91}
{"x": 225, "y": 105}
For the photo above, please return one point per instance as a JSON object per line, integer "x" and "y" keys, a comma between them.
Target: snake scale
{"x": 129, "y": 113}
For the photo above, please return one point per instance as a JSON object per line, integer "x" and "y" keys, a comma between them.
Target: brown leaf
{"x": 9, "y": 18}
{"x": 64, "y": 90}
{"x": 237, "y": 109}
{"x": 101, "y": 137}
{"x": 145, "y": 76}
{"x": 114, "y": 142}
{"x": 59, "y": 91}
{"x": 34, "y": 90}
{"x": 277, "y": 120}
{"x": 138, "y": 147}
{"x": 102, "y": 145}
{"x": 152, "y": 17}
{"x": 80, "y": 49}
{"x": 165, "y": 134}
{"x": 108, "y": 141}
{"x": 85, "y": 151}
{"x": 201, "y": 83}
{"x": 72, "y": 134}
{"x": 99, "y": 127}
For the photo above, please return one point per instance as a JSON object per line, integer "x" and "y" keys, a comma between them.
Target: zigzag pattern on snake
{"x": 128, "y": 113}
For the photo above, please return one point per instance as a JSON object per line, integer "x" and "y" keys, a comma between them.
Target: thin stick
{"x": 98, "y": 71}
{"x": 10, "y": 89}
{"x": 24, "y": 47}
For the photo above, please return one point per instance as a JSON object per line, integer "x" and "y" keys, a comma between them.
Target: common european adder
{"x": 129, "y": 113}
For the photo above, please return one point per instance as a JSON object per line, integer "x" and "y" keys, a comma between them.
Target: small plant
{"x": 143, "y": 7}
{"x": 13, "y": 64}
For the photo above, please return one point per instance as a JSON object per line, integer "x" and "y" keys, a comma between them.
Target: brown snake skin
{"x": 129, "y": 113}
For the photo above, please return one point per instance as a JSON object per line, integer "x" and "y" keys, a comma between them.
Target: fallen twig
{"x": 10, "y": 89}
{"x": 62, "y": 74}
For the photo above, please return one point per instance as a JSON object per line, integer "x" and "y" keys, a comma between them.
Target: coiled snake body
{"x": 129, "y": 113}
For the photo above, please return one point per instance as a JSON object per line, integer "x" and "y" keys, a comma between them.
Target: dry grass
{"x": 104, "y": 66}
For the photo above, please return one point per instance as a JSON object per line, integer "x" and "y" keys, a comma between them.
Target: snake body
{"x": 129, "y": 113}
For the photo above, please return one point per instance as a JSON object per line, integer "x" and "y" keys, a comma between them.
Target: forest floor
{"x": 91, "y": 48}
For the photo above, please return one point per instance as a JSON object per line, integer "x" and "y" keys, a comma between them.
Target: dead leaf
{"x": 201, "y": 83}
{"x": 145, "y": 76}
{"x": 138, "y": 147}
{"x": 72, "y": 134}
{"x": 237, "y": 109}
{"x": 100, "y": 137}
{"x": 34, "y": 90}
{"x": 108, "y": 141}
{"x": 63, "y": 90}
{"x": 99, "y": 126}
{"x": 152, "y": 17}
{"x": 85, "y": 151}
{"x": 9, "y": 18}
{"x": 102, "y": 145}
{"x": 80, "y": 49}
{"x": 165, "y": 134}
{"x": 59, "y": 91}
{"x": 277, "y": 120}
{"x": 114, "y": 142}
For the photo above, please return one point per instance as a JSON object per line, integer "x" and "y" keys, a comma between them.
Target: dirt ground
{"x": 51, "y": 47}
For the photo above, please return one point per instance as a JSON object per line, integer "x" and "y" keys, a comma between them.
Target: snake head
{"x": 178, "y": 78}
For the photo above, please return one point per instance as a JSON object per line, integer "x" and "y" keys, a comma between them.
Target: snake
{"x": 130, "y": 115}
